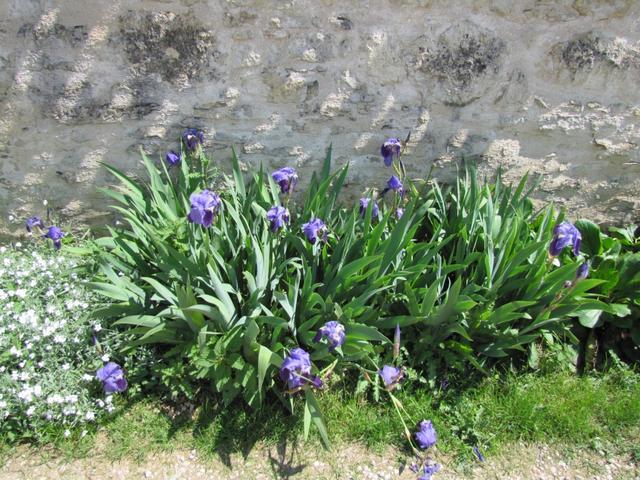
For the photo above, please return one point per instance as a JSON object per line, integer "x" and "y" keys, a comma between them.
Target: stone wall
{"x": 548, "y": 86}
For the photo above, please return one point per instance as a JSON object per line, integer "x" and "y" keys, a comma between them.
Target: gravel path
{"x": 349, "y": 463}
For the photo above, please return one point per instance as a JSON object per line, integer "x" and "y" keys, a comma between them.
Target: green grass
{"x": 600, "y": 412}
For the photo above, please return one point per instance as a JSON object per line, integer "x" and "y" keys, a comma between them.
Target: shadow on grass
{"x": 213, "y": 429}
{"x": 236, "y": 428}
{"x": 490, "y": 413}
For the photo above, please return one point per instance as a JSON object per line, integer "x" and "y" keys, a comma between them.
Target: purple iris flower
{"x": 334, "y": 333}
{"x": 426, "y": 434}
{"x": 34, "y": 222}
{"x": 112, "y": 378}
{"x": 395, "y": 184}
{"x": 583, "y": 271}
{"x": 287, "y": 178}
{"x": 192, "y": 137}
{"x": 204, "y": 206}
{"x": 296, "y": 370}
{"x": 399, "y": 212}
{"x": 428, "y": 471}
{"x": 172, "y": 158}
{"x": 55, "y": 234}
{"x": 478, "y": 454}
{"x": 278, "y": 216}
{"x": 315, "y": 229}
{"x": 390, "y": 148}
{"x": 391, "y": 376}
{"x": 364, "y": 203}
{"x": 565, "y": 234}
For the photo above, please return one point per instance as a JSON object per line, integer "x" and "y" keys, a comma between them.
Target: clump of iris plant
{"x": 315, "y": 230}
{"x": 364, "y": 204}
{"x": 565, "y": 235}
{"x": 112, "y": 378}
{"x": 34, "y": 222}
{"x": 426, "y": 436}
{"x": 172, "y": 158}
{"x": 296, "y": 370}
{"x": 192, "y": 138}
{"x": 204, "y": 206}
{"x": 278, "y": 217}
{"x": 54, "y": 234}
{"x": 334, "y": 332}
{"x": 287, "y": 178}
{"x": 389, "y": 150}
{"x": 391, "y": 376}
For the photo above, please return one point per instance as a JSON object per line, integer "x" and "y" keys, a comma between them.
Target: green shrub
{"x": 615, "y": 264}
{"x": 464, "y": 272}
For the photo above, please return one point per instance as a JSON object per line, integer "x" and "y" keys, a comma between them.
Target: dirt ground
{"x": 346, "y": 462}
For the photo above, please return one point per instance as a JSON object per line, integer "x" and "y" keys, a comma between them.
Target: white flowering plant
{"x": 50, "y": 349}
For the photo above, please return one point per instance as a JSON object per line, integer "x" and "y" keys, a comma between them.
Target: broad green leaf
{"x": 590, "y": 232}
{"x": 312, "y": 410}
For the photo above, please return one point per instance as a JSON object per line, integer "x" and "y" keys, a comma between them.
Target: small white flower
{"x": 11, "y": 218}
{"x": 45, "y": 202}
{"x": 3, "y": 249}
{"x": 26, "y": 395}
{"x": 55, "y": 398}
{"x": 97, "y": 327}
{"x": 84, "y": 432}
{"x": 66, "y": 367}
{"x": 37, "y": 390}
{"x": 68, "y": 411}
{"x": 72, "y": 398}
{"x": 3, "y": 404}
{"x": 15, "y": 352}
{"x": 67, "y": 434}
{"x": 105, "y": 358}
{"x": 31, "y": 410}
{"x": 18, "y": 245}
{"x": 90, "y": 416}
{"x": 87, "y": 378}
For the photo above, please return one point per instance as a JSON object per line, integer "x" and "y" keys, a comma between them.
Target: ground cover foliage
{"x": 248, "y": 288}
{"x": 51, "y": 348}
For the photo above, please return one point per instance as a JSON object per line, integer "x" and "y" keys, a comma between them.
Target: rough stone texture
{"x": 544, "y": 86}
